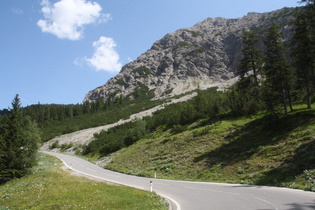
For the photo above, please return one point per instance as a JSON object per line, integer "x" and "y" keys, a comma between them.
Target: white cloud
{"x": 104, "y": 18}
{"x": 17, "y": 11}
{"x": 80, "y": 61}
{"x": 105, "y": 57}
{"x": 66, "y": 19}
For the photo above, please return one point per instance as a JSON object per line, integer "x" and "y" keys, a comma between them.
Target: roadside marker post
{"x": 151, "y": 186}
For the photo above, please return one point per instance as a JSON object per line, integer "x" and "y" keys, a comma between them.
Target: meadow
{"x": 51, "y": 187}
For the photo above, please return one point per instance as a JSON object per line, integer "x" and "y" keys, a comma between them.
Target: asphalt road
{"x": 185, "y": 195}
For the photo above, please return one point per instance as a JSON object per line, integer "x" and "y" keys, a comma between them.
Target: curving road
{"x": 185, "y": 195}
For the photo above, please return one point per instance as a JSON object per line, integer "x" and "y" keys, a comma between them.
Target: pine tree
{"x": 69, "y": 111}
{"x": 278, "y": 77}
{"x": 2, "y": 153}
{"x": 304, "y": 51}
{"x": 18, "y": 145}
{"x": 251, "y": 57}
{"x": 78, "y": 109}
{"x": 99, "y": 104}
{"x": 47, "y": 113}
{"x": 246, "y": 92}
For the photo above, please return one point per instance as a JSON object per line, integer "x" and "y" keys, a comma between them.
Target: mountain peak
{"x": 204, "y": 55}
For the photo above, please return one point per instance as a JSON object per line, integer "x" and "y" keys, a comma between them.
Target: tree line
{"x": 42, "y": 113}
{"x": 270, "y": 79}
{"x": 59, "y": 112}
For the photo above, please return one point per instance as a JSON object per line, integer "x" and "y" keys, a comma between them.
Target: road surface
{"x": 185, "y": 195}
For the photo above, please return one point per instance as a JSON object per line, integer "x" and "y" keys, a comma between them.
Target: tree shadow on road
{"x": 300, "y": 206}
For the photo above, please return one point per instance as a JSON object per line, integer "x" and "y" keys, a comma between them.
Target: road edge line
{"x": 168, "y": 199}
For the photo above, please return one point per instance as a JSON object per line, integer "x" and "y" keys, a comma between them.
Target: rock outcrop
{"x": 204, "y": 55}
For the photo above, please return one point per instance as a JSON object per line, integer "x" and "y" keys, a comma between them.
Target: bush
{"x": 54, "y": 145}
{"x": 65, "y": 146}
{"x": 137, "y": 131}
{"x": 178, "y": 128}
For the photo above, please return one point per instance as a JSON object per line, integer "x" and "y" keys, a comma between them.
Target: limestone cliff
{"x": 204, "y": 55}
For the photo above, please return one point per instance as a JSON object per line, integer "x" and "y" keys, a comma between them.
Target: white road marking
{"x": 168, "y": 198}
{"x": 91, "y": 169}
{"x": 265, "y": 201}
{"x": 195, "y": 188}
{"x": 161, "y": 183}
{"x": 107, "y": 174}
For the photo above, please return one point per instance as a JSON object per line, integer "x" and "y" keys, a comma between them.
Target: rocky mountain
{"x": 204, "y": 55}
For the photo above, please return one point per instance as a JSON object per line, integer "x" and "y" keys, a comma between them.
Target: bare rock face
{"x": 204, "y": 55}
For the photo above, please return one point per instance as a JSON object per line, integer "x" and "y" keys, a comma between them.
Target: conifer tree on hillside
{"x": 19, "y": 143}
{"x": 304, "y": 51}
{"x": 279, "y": 78}
{"x": 251, "y": 58}
{"x": 244, "y": 96}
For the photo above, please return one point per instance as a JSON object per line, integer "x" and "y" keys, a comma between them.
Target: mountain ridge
{"x": 198, "y": 57}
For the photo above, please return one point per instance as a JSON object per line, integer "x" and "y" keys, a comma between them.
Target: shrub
{"x": 54, "y": 145}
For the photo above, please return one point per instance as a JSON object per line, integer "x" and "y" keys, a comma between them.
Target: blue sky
{"x": 55, "y": 51}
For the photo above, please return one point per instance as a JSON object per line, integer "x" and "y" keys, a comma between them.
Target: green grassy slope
{"x": 248, "y": 150}
{"x": 50, "y": 187}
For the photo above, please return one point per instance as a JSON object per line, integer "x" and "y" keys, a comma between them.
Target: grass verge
{"x": 51, "y": 187}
